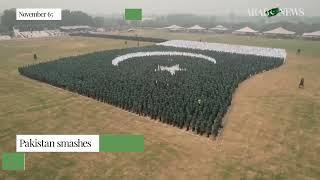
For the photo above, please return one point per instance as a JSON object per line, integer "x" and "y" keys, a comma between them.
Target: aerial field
{"x": 271, "y": 131}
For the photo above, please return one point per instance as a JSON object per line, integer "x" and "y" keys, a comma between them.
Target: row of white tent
{"x": 245, "y": 30}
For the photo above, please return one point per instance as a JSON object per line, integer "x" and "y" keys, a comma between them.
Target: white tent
{"x": 173, "y": 27}
{"x": 279, "y": 31}
{"x": 131, "y": 30}
{"x": 219, "y": 28}
{"x": 245, "y": 30}
{"x": 315, "y": 34}
{"x": 100, "y": 30}
{"x": 4, "y": 37}
{"x": 196, "y": 28}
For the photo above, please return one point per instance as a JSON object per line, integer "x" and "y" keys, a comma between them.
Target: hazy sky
{"x": 165, "y": 6}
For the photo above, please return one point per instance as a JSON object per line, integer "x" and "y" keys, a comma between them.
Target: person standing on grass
{"x": 298, "y": 51}
{"x": 35, "y": 57}
{"x": 301, "y": 84}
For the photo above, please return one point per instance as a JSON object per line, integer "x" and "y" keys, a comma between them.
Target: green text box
{"x": 13, "y": 161}
{"x": 121, "y": 143}
{"x": 133, "y": 14}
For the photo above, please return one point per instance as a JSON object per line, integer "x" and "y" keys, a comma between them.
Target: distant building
{"x": 17, "y": 34}
{"x": 36, "y": 34}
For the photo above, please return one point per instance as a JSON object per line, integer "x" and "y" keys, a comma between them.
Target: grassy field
{"x": 272, "y": 129}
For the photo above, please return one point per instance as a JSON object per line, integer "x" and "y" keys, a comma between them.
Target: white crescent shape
{"x": 119, "y": 59}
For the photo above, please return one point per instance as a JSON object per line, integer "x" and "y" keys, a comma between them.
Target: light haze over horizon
{"x": 160, "y": 7}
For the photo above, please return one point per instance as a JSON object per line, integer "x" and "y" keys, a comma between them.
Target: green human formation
{"x": 196, "y": 98}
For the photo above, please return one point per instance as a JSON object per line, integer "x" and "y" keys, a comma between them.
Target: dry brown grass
{"x": 271, "y": 132}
